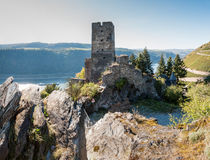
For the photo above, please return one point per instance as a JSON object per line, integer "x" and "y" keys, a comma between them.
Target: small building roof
{"x": 172, "y": 77}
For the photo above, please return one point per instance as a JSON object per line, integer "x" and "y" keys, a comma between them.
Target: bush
{"x": 195, "y": 137}
{"x": 74, "y": 90}
{"x": 90, "y": 90}
{"x": 77, "y": 90}
{"x": 49, "y": 89}
{"x": 81, "y": 74}
{"x": 198, "y": 105}
{"x": 173, "y": 94}
{"x": 160, "y": 86}
{"x": 121, "y": 83}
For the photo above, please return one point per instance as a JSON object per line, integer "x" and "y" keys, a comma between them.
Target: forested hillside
{"x": 42, "y": 58}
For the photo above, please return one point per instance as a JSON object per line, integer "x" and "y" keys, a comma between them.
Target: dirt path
{"x": 192, "y": 79}
{"x": 198, "y": 72}
{"x": 202, "y": 54}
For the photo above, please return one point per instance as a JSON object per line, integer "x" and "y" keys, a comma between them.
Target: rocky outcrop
{"x": 29, "y": 99}
{"x": 9, "y": 99}
{"x": 129, "y": 136}
{"x": 64, "y": 119}
{"x": 32, "y": 128}
{"x": 4, "y": 149}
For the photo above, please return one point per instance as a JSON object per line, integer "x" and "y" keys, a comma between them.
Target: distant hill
{"x": 45, "y": 45}
{"x": 199, "y": 59}
{"x": 44, "y": 58}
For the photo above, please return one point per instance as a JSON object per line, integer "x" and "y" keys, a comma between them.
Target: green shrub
{"x": 81, "y": 74}
{"x": 198, "y": 105}
{"x": 195, "y": 137}
{"x": 44, "y": 94}
{"x": 173, "y": 94}
{"x": 74, "y": 90}
{"x": 77, "y": 90}
{"x": 160, "y": 86}
{"x": 121, "y": 83}
{"x": 49, "y": 89}
{"x": 90, "y": 90}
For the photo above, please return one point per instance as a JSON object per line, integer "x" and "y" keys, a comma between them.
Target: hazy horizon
{"x": 155, "y": 24}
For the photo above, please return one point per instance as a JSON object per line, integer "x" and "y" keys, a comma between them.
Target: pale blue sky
{"x": 157, "y": 24}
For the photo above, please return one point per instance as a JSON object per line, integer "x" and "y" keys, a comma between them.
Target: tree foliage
{"x": 132, "y": 59}
{"x": 179, "y": 67}
{"x": 143, "y": 62}
{"x": 161, "y": 67}
{"x": 169, "y": 67}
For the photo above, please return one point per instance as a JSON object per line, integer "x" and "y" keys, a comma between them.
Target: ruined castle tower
{"x": 103, "y": 50}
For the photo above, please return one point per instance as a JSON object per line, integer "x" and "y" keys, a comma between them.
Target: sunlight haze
{"x": 155, "y": 24}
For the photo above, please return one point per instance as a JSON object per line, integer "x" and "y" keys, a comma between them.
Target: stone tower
{"x": 103, "y": 50}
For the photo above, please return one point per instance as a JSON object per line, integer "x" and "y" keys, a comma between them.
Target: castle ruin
{"x": 102, "y": 51}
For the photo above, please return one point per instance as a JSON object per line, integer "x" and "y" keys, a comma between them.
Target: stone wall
{"x": 122, "y": 69}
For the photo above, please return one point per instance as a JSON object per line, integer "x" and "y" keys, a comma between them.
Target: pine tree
{"x": 148, "y": 63}
{"x": 179, "y": 67}
{"x": 132, "y": 59}
{"x": 161, "y": 67}
{"x": 140, "y": 62}
{"x": 169, "y": 67}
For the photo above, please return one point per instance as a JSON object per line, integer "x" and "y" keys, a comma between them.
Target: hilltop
{"x": 199, "y": 60}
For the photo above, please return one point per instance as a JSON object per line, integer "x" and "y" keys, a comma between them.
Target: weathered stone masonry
{"x": 103, "y": 50}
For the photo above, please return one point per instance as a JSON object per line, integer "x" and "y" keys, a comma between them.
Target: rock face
{"x": 64, "y": 119}
{"x": 32, "y": 128}
{"x": 9, "y": 99}
{"x": 127, "y": 136}
{"x": 29, "y": 100}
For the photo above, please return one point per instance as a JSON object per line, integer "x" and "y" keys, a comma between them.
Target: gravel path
{"x": 192, "y": 79}
{"x": 202, "y": 54}
{"x": 198, "y": 72}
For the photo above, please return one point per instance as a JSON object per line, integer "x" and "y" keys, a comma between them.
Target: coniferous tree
{"x": 132, "y": 59}
{"x": 161, "y": 67}
{"x": 148, "y": 63}
{"x": 179, "y": 67}
{"x": 169, "y": 67}
{"x": 140, "y": 63}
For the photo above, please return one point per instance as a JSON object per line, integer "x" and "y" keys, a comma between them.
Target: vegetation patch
{"x": 173, "y": 94}
{"x": 195, "y": 137}
{"x": 81, "y": 74}
{"x": 160, "y": 86}
{"x": 156, "y": 106}
{"x": 48, "y": 90}
{"x": 96, "y": 148}
{"x": 121, "y": 83}
{"x": 90, "y": 90}
{"x": 77, "y": 90}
